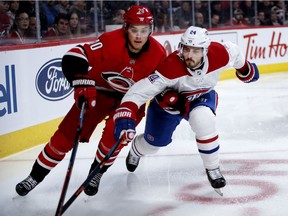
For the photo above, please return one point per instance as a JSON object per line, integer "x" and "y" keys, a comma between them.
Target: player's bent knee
{"x": 202, "y": 121}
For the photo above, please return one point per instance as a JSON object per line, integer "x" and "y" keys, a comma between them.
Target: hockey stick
{"x": 71, "y": 162}
{"x": 91, "y": 175}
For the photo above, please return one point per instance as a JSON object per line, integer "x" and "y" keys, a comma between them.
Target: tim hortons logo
{"x": 277, "y": 48}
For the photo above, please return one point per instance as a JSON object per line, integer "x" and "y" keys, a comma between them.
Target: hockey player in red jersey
{"x": 183, "y": 88}
{"x": 101, "y": 73}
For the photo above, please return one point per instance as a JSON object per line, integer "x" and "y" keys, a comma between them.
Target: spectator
{"x": 49, "y": 11}
{"x": 238, "y": 19}
{"x": 14, "y": 7}
{"x": 266, "y": 6}
{"x": 80, "y": 8}
{"x": 280, "y": 5}
{"x": 62, "y": 7}
{"x": 74, "y": 25}
{"x": 29, "y": 7}
{"x": 18, "y": 33}
{"x": 260, "y": 19}
{"x": 6, "y": 6}
{"x": 218, "y": 9}
{"x": 60, "y": 30}
{"x": 235, "y": 5}
{"x": 32, "y": 29}
{"x": 200, "y": 21}
{"x": 200, "y": 6}
{"x": 286, "y": 15}
{"x": 273, "y": 20}
{"x": 176, "y": 4}
{"x": 4, "y": 21}
{"x": 215, "y": 21}
{"x": 118, "y": 19}
{"x": 248, "y": 9}
{"x": 108, "y": 12}
{"x": 165, "y": 7}
{"x": 161, "y": 23}
{"x": 183, "y": 15}
{"x": 279, "y": 12}
{"x": 162, "y": 7}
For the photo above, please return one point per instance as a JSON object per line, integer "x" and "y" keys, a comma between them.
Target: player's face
{"x": 192, "y": 56}
{"x": 137, "y": 36}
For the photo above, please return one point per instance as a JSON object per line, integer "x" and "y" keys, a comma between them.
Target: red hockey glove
{"x": 173, "y": 102}
{"x": 124, "y": 119}
{"x": 248, "y": 73}
{"x": 84, "y": 91}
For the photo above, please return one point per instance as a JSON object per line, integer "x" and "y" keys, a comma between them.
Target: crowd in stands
{"x": 73, "y": 19}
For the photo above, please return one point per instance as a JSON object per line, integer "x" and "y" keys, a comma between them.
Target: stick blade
{"x": 219, "y": 191}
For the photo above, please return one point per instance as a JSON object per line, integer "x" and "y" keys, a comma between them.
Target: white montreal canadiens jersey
{"x": 173, "y": 73}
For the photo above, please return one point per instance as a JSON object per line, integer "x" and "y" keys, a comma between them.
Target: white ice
{"x": 253, "y": 128}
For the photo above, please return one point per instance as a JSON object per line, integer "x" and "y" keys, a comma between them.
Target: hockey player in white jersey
{"x": 182, "y": 87}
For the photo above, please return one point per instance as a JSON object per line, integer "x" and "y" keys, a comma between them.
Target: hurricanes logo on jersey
{"x": 128, "y": 72}
{"x": 120, "y": 81}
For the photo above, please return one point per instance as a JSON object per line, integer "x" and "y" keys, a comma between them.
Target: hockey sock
{"x": 102, "y": 170}
{"x": 38, "y": 172}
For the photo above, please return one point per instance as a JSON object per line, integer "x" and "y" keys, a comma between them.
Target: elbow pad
{"x": 73, "y": 66}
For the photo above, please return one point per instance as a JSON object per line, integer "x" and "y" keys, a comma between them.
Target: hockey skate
{"x": 132, "y": 162}
{"x": 216, "y": 180}
{"x": 92, "y": 187}
{"x": 25, "y": 186}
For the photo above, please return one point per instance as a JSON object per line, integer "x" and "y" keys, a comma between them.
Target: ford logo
{"x": 51, "y": 83}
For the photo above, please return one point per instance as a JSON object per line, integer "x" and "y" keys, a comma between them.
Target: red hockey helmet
{"x": 138, "y": 15}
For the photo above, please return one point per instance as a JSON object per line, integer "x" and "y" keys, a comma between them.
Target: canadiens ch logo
{"x": 120, "y": 81}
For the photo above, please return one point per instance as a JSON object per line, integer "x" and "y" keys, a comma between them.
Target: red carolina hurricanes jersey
{"x": 110, "y": 64}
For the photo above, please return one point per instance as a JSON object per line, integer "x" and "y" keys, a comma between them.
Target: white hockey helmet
{"x": 195, "y": 37}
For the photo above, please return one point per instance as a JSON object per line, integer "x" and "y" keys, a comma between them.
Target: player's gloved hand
{"x": 173, "y": 102}
{"x": 248, "y": 73}
{"x": 124, "y": 119}
{"x": 84, "y": 91}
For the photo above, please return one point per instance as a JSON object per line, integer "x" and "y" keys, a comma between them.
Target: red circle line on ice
{"x": 266, "y": 189}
